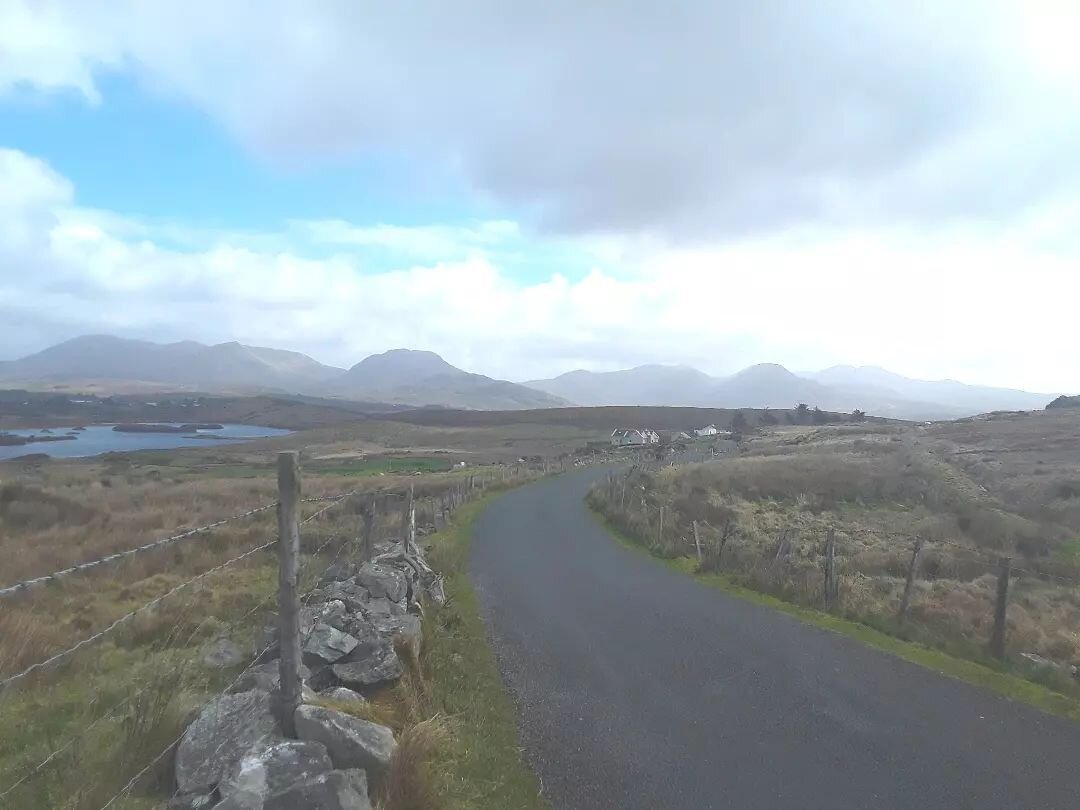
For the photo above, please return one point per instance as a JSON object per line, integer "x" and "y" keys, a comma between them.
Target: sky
{"x": 535, "y": 187}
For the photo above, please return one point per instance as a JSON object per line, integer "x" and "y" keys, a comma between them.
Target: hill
{"x": 643, "y": 385}
{"x": 186, "y": 364}
{"x": 841, "y": 388}
{"x": 405, "y": 376}
{"x": 106, "y": 364}
{"x": 1065, "y": 402}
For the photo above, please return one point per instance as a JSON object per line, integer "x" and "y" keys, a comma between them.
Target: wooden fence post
{"x": 660, "y": 528}
{"x": 830, "y": 569}
{"x": 410, "y": 538}
{"x": 697, "y": 541}
{"x": 367, "y": 522}
{"x": 909, "y": 583}
{"x": 289, "y": 694}
{"x": 997, "y": 640}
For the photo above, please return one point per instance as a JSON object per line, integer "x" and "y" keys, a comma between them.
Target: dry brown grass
{"x": 148, "y": 673}
{"x": 410, "y": 783}
{"x": 879, "y": 489}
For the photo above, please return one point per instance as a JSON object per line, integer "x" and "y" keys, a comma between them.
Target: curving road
{"x": 640, "y": 688}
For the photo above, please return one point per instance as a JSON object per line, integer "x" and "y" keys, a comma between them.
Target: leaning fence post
{"x": 410, "y": 543}
{"x": 660, "y": 528}
{"x": 288, "y": 595}
{"x": 997, "y": 640}
{"x": 909, "y": 583}
{"x": 367, "y": 521}
{"x": 830, "y": 568}
{"x": 697, "y": 542}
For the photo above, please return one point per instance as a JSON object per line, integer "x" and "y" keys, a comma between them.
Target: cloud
{"x": 699, "y": 122}
{"x": 994, "y": 310}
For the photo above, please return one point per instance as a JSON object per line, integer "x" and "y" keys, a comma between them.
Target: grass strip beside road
{"x": 481, "y": 765}
{"x": 1004, "y": 683}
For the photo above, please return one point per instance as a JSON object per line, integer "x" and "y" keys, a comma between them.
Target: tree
{"x": 820, "y": 417}
{"x": 738, "y": 422}
{"x": 802, "y": 412}
{"x": 768, "y": 417}
{"x": 858, "y": 416}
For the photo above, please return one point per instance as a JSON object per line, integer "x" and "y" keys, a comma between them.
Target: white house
{"x": 708, "y": 430}
{"x": 633, "y": 437}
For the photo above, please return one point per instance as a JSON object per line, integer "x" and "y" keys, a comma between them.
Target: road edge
{"x": 1003, "y": 683}
{"x": 485, "y": 757}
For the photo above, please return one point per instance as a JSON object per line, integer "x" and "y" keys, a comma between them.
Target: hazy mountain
{"x": 421, "y": 378}
{"x": 187, "y": 364}
{"x": 400, "y": 376}
{"x": 768, "y": 385}
{"x": 969, "y": 398}
{"x": 1064, "y": 402}
{"x": 644, "y": 385}
{"x": 417, "y": 378}
{"x": 842, "y": 388}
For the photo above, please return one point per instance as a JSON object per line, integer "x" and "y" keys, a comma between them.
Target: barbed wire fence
{"x": 803, "y": 564}
{"x": 363, "y": 516}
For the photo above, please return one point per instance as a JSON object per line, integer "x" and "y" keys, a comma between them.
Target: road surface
{"x": 640, "y": 688}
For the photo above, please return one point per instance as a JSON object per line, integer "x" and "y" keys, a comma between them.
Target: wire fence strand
{"x": 18, "y": 587}
{"x": 60, "y": 656}
{"x": 134, "y": 780}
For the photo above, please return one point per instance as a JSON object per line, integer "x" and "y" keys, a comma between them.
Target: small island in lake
{"x": 141, "y": 427}
{"x": 13, "y": 440}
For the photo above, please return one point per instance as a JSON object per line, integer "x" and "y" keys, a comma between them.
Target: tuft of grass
{"x": 412, "y": 782}
{"x": 480, "y": 765}
{"x": 978, "y": 674}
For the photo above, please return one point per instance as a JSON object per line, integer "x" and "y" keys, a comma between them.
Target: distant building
{"x": 633, "y": 437}
{"x": 708, "y": 430}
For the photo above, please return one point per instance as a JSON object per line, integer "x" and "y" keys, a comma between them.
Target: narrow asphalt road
{"x": 640, "y": 688}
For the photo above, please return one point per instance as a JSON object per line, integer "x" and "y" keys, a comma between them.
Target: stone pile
{"x": 352, "y": 627}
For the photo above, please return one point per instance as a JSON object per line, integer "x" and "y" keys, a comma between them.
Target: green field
{"x": 380, "y": 466}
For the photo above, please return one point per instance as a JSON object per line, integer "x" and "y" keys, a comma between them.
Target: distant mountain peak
{"x": 401, "y": 364}
{"x": 419, "y": 377}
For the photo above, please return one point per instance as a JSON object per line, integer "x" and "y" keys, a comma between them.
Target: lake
{"x": 96, "y": 439}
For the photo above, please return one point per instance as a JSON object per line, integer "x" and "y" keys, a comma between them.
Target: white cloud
{"x": 994, "y": 308}
{"x": 708, "y": 120}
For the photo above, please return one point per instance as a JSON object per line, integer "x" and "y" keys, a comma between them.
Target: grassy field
{"x": 124, "y": 698}
{"x": 973, "y": 491}
{"x": 987, "y": 673}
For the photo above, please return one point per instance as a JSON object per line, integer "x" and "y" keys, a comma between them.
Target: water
{"x": 103, "y": 439}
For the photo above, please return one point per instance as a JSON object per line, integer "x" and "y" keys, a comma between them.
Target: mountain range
{"x": 767, "y": 385}
{"x": 399, "y": 376}
{"x": 423, "y": 378}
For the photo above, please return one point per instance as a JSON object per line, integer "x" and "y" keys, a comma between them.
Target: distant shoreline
{"x": 153, "y": 427}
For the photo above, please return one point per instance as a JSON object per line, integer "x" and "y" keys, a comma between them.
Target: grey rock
{"x": 227, "y": 729}
{"x": 264, "y": 773}
{"x": 382, "y": 607}
{"x": 338, "y": 572}
{"x": 336, "y": 790}
{"x": 352, "y": 595}
{"x": 342, "y": 695}
{"x": 265, "y": 677}
{"x": 383, "y": 581}
{"x": 350, "y": 741}
{"x": 1038, "y": 660}
{"x": 405, "y": 629}
{"x": 222, "y": 654}
{"x": 328, "y": 643}
{"x": 329, "y": 612}
{"x": 379, "y": 666}
{"x": 193, "y": 801}
{"x": 241, "y": 800}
